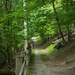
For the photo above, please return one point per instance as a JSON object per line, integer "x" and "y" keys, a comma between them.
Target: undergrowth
{"x": 29, "y": 70}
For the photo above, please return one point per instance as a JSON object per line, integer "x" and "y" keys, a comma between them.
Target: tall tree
{"x": 57, "y": 19}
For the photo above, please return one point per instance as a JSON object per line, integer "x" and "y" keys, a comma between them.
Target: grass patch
{"x": 32, "y": 54}
{"x": 51, "y": 49}
{"x": 50, "y": 52}
{"x": 39, "y": 39}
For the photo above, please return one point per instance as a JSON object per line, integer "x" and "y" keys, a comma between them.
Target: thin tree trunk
{"x": 43, "y": 2}
{"x": 68, "y": 27}
{"x": 8, "y": 33}
{"x": 57, "y": 19}
{"x": 68, "y": 30}
{"x": 8, "y": 55}
{"x": 71, "y": 2}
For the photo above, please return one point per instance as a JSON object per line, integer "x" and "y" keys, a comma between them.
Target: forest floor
{"x": 62, "y": 62}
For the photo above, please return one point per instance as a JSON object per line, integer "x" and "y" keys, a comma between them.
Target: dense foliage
{"x": 45, "y": 18}
{"x": 48, "y": 18}
{"x": 12, "y": 34}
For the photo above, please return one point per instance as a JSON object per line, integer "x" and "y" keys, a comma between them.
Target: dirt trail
{"x": 40, "y": 68}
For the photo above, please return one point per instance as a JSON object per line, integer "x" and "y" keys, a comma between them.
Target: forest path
{"x": 40, "y": 68}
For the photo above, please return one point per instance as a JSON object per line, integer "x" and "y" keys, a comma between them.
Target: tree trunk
{"x": 57, "y": 19}
{"x": 43, "y": 2}
{"x": 68, "y": 27}
{"x": 8, "y": 55}
{"x": 68, "y": 31}
{"x": 8, "y": 32}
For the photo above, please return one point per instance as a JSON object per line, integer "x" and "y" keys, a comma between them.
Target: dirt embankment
{"x": 64, "y": 58}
